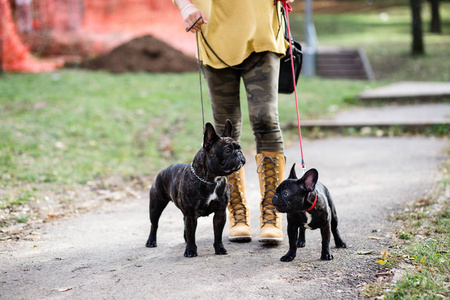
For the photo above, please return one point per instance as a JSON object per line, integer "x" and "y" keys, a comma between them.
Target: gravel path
{"x": 101, "y": 254}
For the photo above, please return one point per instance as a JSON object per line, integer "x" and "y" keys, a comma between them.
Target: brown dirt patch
{"x": 143, "y": 54}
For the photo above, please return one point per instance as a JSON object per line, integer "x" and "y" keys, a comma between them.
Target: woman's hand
{"x": 193, "y": 18}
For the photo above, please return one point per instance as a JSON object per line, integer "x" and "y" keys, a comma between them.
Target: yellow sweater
{"x": 236, "y": 28}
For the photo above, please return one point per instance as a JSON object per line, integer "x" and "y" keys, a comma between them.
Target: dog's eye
{"x": 227, "y": 150}
{"x": 285, "y": 193}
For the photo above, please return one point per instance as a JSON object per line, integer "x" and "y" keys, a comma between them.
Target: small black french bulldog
{"x": 308, "y": 205}
{"x": 199, "y": 188}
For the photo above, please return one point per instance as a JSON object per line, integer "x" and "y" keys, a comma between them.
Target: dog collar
{"x": 198, "y": 177}
{"x": 312, "y": 206}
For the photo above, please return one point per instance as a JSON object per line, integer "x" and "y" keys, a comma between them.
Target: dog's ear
{"x": 292, "y": 175}
{"x": 209, "y": 136}
{"x": 309, "y": 180}
{"x": 228, "y": 129}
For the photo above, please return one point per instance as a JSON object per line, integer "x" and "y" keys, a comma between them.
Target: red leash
{"x": 287, "y": 7}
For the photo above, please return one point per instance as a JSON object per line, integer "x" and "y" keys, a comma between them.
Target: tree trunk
{"x": 416, "y": 27}
{"x": 435, "y": 25}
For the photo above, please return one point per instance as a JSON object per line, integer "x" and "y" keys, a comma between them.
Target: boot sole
{"x": 270, "y": 240}
{"x": 240, "y": 239}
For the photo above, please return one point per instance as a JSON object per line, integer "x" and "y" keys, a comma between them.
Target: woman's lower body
{"x": 259, "y": 73}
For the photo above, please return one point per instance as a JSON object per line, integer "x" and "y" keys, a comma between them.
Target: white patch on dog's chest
{"x": 214, "y": 195}
{"x": 308, "y": 220}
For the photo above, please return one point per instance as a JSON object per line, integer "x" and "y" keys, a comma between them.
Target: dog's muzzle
{"x": 236, "y": 162}
{"x": 280, "y": 204}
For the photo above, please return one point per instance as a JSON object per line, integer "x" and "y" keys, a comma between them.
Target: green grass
{"x": 423, "y": 246}
{"x": 429, "y": 278}
{"x": 72, "y": 126}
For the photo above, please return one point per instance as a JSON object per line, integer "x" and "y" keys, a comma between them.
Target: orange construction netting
{"x": 14, "y": 54}
{"x": 83, "y": 28}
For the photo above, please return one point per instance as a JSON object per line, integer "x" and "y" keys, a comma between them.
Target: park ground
{"x": 74, "y": 186}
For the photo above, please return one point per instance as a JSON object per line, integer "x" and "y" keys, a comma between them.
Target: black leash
{"x": 200, "y": 78}
{"x": 199, "y": 70}
{"x": 218, "y": 57}
{"x": 192, "y": 26}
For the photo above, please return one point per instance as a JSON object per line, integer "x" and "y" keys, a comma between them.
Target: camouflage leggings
{"x": 260, "y": 75}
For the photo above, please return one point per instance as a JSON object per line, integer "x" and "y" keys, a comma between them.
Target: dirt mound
{"x": 143, "y": 54}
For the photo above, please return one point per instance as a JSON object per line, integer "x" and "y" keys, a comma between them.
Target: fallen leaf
{"x": 365, "y": 252}
{"x": 384, "y": 254}
{"x": 381, "y": 262}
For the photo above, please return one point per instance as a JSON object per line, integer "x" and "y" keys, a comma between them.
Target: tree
{"x": 435, "y": 24}
{"x": 416, "y": 27}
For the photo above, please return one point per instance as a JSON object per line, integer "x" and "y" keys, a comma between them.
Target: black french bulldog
{"x": 198, "y": 189}
{"x": 308, "y": 205}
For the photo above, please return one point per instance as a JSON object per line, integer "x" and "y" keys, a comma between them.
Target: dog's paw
{"x": 150, "y": 243}
{"x": 288, "y": 257}
{"x": 326, "y": 256}
{"x": 190, "y": 253}
{"x": 300, "y": 244}
{"x": 221, "y": 251}
{"x": 341, "y": 244}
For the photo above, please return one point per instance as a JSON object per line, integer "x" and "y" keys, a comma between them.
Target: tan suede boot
{"x": 271, "y": 167}
{"x": 238, "y": 216}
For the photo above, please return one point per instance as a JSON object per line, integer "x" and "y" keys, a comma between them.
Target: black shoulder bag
{"x": 285, "y": 81}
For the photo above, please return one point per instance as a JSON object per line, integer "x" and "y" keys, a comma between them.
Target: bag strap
{"x": 286, "y": 33}
{"x": 218, "y": 57}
